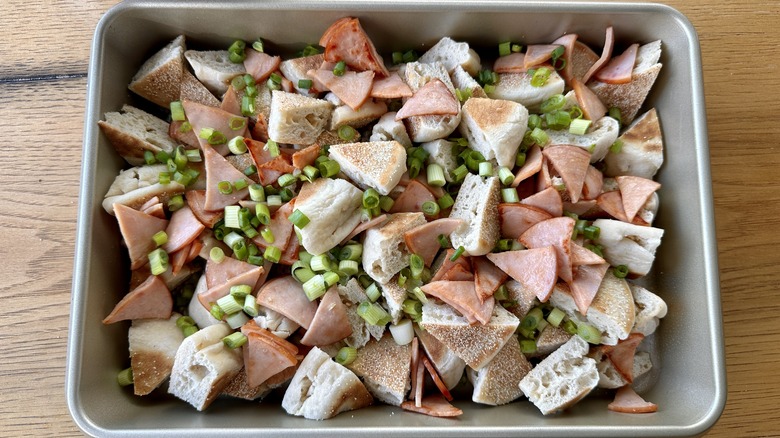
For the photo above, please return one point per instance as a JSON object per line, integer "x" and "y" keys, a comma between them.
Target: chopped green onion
{"x": 225, "y": 187}
{"x": 164, "y": 178}
{"x": 416, "y": 265}
{"x": 340, "y": 68}
{"x": 460, "y": 173}
{"x": 272, "y": 254}
{"x": 570, "y": 327}
{"x": 125, "y": 377}
{"x": 616, "y": 147}
{"x": 238, "y": 83}
{"x": 509, "y": 195}
{"x": 413, "y": 308}
{"x": 430, "y": 208}
{"x": 415, "y": 165}
{"x": 614, "y": 112}
{"x": 160, "y": 238}
{"x": 398, "y": 57}
{"x": 386, "y": 203}
{"x": 329, "y": 168}
{"x": 353, "y": 251}
{"x": 473, "y": 159}
{"x": 520, "y": 159}
{"x": 229, "y": 305}
{"x": 489, "y": 89}
{"x": 347, "y": 133}
{"x": 240, "y": 291}
{"x": 314, "y": 287}
{"x": 311, "y": 172}
{"x": 258, "y": 45}
{"x": 504, "y": 244}
{"x": 501, "y": 293}
{"x": 463, "y": 94}
{"x": 556, "y": 316}
{"x": 592, "y": 232}
{"x": 458, "y": 253}
{"x": 149, "y": 157}
{"x": 373, "y": 313}
{"x": 274, "y": 200}
{"x": 189, "y": 330}
{"x": 553, "y": 103}
{"x": 302, "y": 273}
{"x": 435, "y": 175}
{"x": 534, "y": 121}
{"x": 262, "y": 213}
{"x": 410, "y": 56}
{"x": 419, "y": 295}
{"x": 558, "y": 62}
{"x": 250, "y": 232}
{"x": 217, "y": 255}
{"x": 505, "y": 175}
{"x": 575, "y": 112}
{"x": 232, "y": 238}
{"x": 185, "y": 127}
{"x": 158, "y": 260}
{"x": 539, "y": 136}
{"x": 177, "y": 111}
{"x": 172, "y": 167}
{"x": 620, "y": 271}
{"x": 596, "y": 249}
{"x": 579, "y": 126}
{"x": 330, "y": 278}
{"x": 373, "y": 292}
{"x": 231, "y": 216}
{"x": 589, "y": 333}
{"x": 485, "y": 168}
{"x": 298, "y": 218}
{"x": 320, "y": 263}
{"x": 305, "y": 84}
{"x": 286, "y": 180}
{"x": 234, "y": 340}
{"x": 240, "y": 250}
{"x": 346, "y": 355}
{"x": 310, "y": 50}
{"x": 184, "y": 321}
{"x": 540, "y": 77}
{"x": 444, "y": 242}
{"x": 370, "y": 198}
{"x": 247, "y": 105}
{"x": 445, "y": 201}
{"x": 217, "y": 312}
{"x": 528, "y": 346}
{"x": 531, "y": 320}
{"x": 267, "y": 235}
{"x": 237, "y": 145}
{"x": 272, "y": 147}
{"x": 193, "y": 155}
{"x": 250, "y": 306}
{"x": 558, "y": 120}
{"x": 349, "y": 267}
{"x": 504, "y": 48}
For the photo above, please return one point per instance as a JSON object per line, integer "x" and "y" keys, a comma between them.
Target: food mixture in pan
{"x": 347, "y": 230}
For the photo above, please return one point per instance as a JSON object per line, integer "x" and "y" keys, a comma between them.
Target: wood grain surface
{"x": 43, "y": 64}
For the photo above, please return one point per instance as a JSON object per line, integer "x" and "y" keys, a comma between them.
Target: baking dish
{"x": 689, "y": 383}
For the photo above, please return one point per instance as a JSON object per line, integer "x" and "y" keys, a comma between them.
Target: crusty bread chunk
{"x": 431, "y": 127}
{"x": 321, "y": 389}
{"x": 494, "y": 128}
{"x": 133, "y": 131}
{"x": 498, "y": 382}
{"x": 297, "y": 119}
{"x": 562, "y": 379}
{"x": 650, "y": 308}
{"x": 352, "y": 295}
{"x": 629, "y": 244}
{"x": 453, "y": 54}
{"x": 333, "y": 208}
{"x": 376, "y": 164}
{"x": 475, "y": 344}
{"x": 239, "y": 387}
{"x": 477, "y": 205}
{"x": 204, "y": 366}
{"x": 517, "y": 88}
{"x": 441, "y": 152}
{"x": 384, "y": 367}
{"x": 523, "y": 299}
{"x": 343, "y": 115}
{"x": 610, "y": 378}
{"x": 194, "y": 90}
{"x": 196, "y": 310}
{"x": 600, "y": 136}
{"x": 295, "y": 69}
{"x": 384, "y": 250}
{"x": 153, "y": 344}
{"x": 549, "y": 340}
{"x": 463, "y": 81}
{"x": 641, "y": 151}
{"x": 388, "y": 128}
{"x": 136, "y": 185}
{"x": 214, "y": 68}
{"x": 159, "y": 79}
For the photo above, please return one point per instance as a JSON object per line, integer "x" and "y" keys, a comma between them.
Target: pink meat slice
{"x": 536, "y": 269}
{"x": 280, "y": 227}
{"x": 622, "y": 355}
{"x": 391, "y": 87}
{"x": 196, "y": 201}
{"x": 353, "y": 88}
{"x": 536, "y": 54}
{"x": 567, "y": 41}
{"x": 592, "y": 107}
{"x": 218, "y": 169}
{"x": 203, "y": 116}
{"x": 231, "y": 102}
{"x": 433, "y": 98}
{"x": 179, "y": 258}
{"x": 487, "y": 277}
{"x": 583, "y": 256}
{"x": 554, "y": 232}
{"x": 462, "y": 261}
{"x": 412, "y": 198}
{"x": 345, "y": 40}
{"x": 424, "y": 239}
{"x": 571, "y": 162}
{"x": 462, "y": 295}
{"x": 363, "y": 226}
{"x": 330, "y": 323}
{"x": 635, "y": 192}
{"x": 594, "y": 181}
{"x": 433, "y": 405}
{"x": 221, "y": 273}
{"x": 305, "y": 157}
{"x": 220, "y": 290}
{"x": 618, "y": 70}
{"x": 612, "y": 204}
{"x": 548, "y": 200}
{"x": 512, "y": 63}
{"x": 137, "y": 229}
{"x": 183, "y": 228}
{"x": 515, "y": 219}
{"x": 286, "y": 296}
{"x": 585, "y": 284}
{"x": 156, "y": 210}
{"x": 544, "y": 180}
{"x": 264, "y": 359}
{"x": 609, "y": 42}
{"x": 532, "y": 165}
{"x": 260, "y": 65}
{"x": 151, "y": 299}
{"x": 628, "y": 401}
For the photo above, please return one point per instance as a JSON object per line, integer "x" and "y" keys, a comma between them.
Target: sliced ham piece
{"x": 571, "y": 162}
{"x": 532, "y": 165}
{"x": 267, "y": 265}
{"x": 305, "y": 157}
{"x": 345, "y": 40}
{"x": 413, "y": 366}
{"x": 188, "y": 138}
{"x": 220, "y": 273}
{"x": 433, "y": 98}
{"x": 412, "y": 198}
{"x": 544, "y": 180}
{"x": 137, "y": 229}
{"x": 196, "y": 200}
{"x": 515, "y": 219}
{"x": 609, "y": 42}
{"x": 536, "y": 269}
{"x": 458, "y": 273}
{"x": 330, "y": 323}
{"x": 259, "y": 129}
{"x": 352, "y": 88}
{"x": 594, "y": 182}
{"x": 434, "y": 405}
{"x": 536, "y": 54}
{"x": 252, "y": 327}
{"x": 622, "y": 355}
{"x": 363, "y": 226}
{"x": 462, "y": 261}
{"x": 151, "y": 299}
{"x": 487, "y": 277}
{"x": 218, "y": 169}
{"x": 619, "y": 68}
{"x": 286, "y": 296}
{"x": 436, "y": 378}
{"x": 592, "y": 107}
{"x": 462, "y": 295}
{"x": 260, "y": 65}
{"x": 583, "y": 256}
{"x": 628, "y": 401}
{"x": 391, "y": 87}
{"x": 290, "y": 254}
{"x": 424, "y": 240}
{"x": 179, "y": 258}
{"x": 263, "y": 359}
{"x": 150, "y": 203}
{"x": 183, "y": 228}
{"x": 214, "y": 293}
{"x": 567, "y": 41}
{"x": 195, "y": 247}
{"x": 511, "y": 63}
{"x": 203, "y": 116}
{"x": 583, "y": 208}
{"x": 155, "y": 210}
{"x": 419, "y": 387}
{"x": 548, "y": 200}
{"x": 635, "y": 192}
{"x": 556, "y": 232}
{"x": 612, "y": 204}
{"x": 585, "y": 283}
{"x": 280, "y": 227}
{"x": 231, "y": 102}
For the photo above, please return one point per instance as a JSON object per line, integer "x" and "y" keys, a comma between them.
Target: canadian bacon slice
{"x": 433, "y": 98}
{"x": 609, "y": 42}
{"x": 155, "y": 210}
{"x": 585, "y": 284}
{"x": 260, "y": 65}
{"x": 252, "y": 327}
{"x": 548, "y": 200}
{"x": 218, "y": 291}
{"x": 219, "y": 273}
{"x": 594, "y": 182}
{"x": 532, "y": 165}
{"x": 612, "y": 204}
{"x": 263, "y": 359}
{"x": 622, "y": 355}
{"x": 536, "y": 269}
{"x": 345, "y": 40}
{"x": 151, "y": 299}
{"x": 515, "y": 219}
{"x": 353, "y": 88}
{"x": 391, "y": 87}
{"x": 511, "y": 63}
{"x": 286, "y": 296}
{"x": 424, "y": 239}
{"x": 412, "y": 198}
{"x": 571, "y": 162}
{"x": 179, "y": 258}
{"x": 618, "y": 70}
{"x": 458, "y": 273}
{"x": 281, "y": 228}
{"x": 635, "y": 192}
{"x": 628, "y": 401}
{"x": 330, "y": 323}
{"x": 137, "y": 229}
{"x": 462, "y": 295}
{"x": 434, "y": 405}
{"x": 589, "y": 102}
{"x": 218, "y": 169}
{"x": 196, "y": 200}
{"x": 306, "y": 157}
{"x": 554, "y": 232}
{"x": 536, "y": 54}
{"x": 436, "y": 378}
{"x": 487, "y": 277}
{"x": 183, "y": 228}
{"x": 583, "y": 256}
{"x": 363, "y": 226}
{"x": 462, "y": 261}
{"x": 567, "y": 41}
{"x": 203, "y": 116}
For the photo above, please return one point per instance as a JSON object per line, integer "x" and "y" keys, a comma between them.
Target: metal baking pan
{"x": 689, "y": 385}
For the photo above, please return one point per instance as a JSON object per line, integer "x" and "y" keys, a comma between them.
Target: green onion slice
{"x": 177, "y": 111}
{"x": 125, "y": 377}
{"x": 621, "y": 271}
{"x": 234, "y": 340}
{"x": 272, "y": 254}
{"x": 346, "y": 355}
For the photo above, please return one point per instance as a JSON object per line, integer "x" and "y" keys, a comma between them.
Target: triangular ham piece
{"x": 585, "y": 284}
{"x": 231, "y": 102}
{"x": 280, "y": 227}
{"x": 622, "y": 355}
{"x": 462, "y": 295}
{"x": 183, "y": 228}
{"x": 594, "y": 182}
{"x": 618, "y": 70}
{"x": 155, "y": 210}
{"x": 433, "y": 405}
{"x": 458, "y": 273}
{"x": 556, "y": 232}
{"x": 536, "y": 54}
{"x": 252, "y": 327}
{"x": 591, "y": 105}
{"x": 345, "y": 40}
{"x": 567, "y": 41}
{"x": 330, "y": 323}
{"x": 260, "y": 65}
{"x": 635, "y": 192}
{"x": 412, "y": 198}
{"x": 436, "y": 378}
{"x": 391, "y": 87}
{"x": 447, "y": 265}
{"x": 137, "y": 229}
{"x": 583, "y": 256}
{"x": 196, "y": 200}
{"x": 305, "y": 157}
{"x": 487, "y": 277}
{"x": 352, "y": 88}
{"x": 532, "y": 165}
{"x": 609, "y": 42}
{"x": 286, "y": 296}
{"x": 433, "y": 98}
{"x": 511, "y": 63}
{"x": 586, "y": 209}
{"x": 612, "y": 204}
{"x": 629, "y": 402}
{"x": 424, "y": 239}
{"x": 202, "y": 116}
{"x": 548, "y": 200}
{"x": 151, "y": 299}
{"x": 544, "y": 180}
{"x": 179, "y": 258}
{"x": 214, "y": 293}
{"x": 571, "y": 162}
{"x": 218, "y": 169}
{"x": 515, "y": 219}
{"x": 262, "y": 359}
{"x": 220, "y": 273}
{"x": 536, "y": 269}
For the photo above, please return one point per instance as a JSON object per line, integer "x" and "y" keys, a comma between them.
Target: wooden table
{"x": 43, "y": 65}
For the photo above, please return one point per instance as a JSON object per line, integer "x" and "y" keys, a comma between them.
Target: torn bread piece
{"x": 430, "y": 127}
{"x": 352, "y": 295}
{"x": 629, "y": 244}
{"x": 384, "y": 251}
{"x": 297, "y": 119}
{"x": 135, "y": 186}
{"x": 441, "y": 152}
{"x": 597, "y": 140}
{"x": 477, "y": 205}
{"x": 159, "y": 79}
{"x": 377, "y": 165}
{"x": 498, "y": 382}
{"x": 153, "y": 344}
{"x": 494, "y": 127}
{"x": 452, "y": 54}
{"x": 517, "y": 88}
{"x": 384, "y": 367}
{"x": 388, "y": 128}
{"x": 449, "y": 366}
{"x": 132, "y": 132}
{"x": 214, "y": 68}
{"x": 641, "y": 150}
{"x": 650, "y": 308}
{"x": 333, "y": 206}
